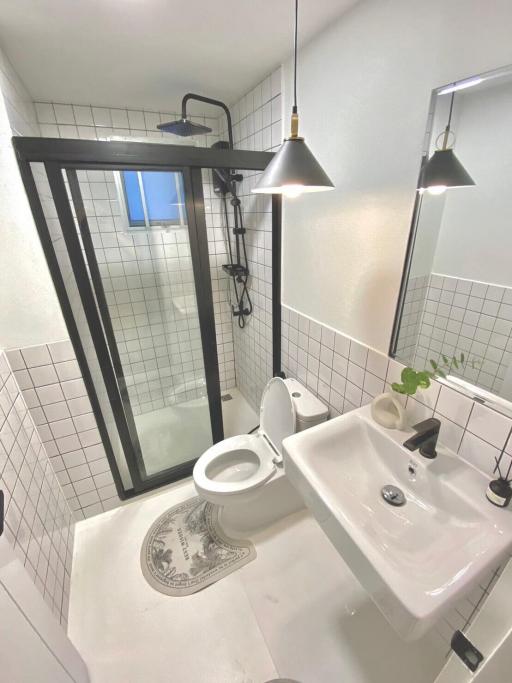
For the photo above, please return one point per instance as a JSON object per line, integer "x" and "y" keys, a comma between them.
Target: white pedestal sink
{"x": 416, "y": 560}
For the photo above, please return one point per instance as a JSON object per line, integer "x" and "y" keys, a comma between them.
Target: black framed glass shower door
{"x": 135, "y": 254}
{"x": 124, "y": 233}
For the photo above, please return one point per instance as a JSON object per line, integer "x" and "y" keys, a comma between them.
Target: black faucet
{"x": 425, "y": 438}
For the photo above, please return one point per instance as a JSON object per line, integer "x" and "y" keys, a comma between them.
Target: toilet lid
{"x": 277, "y": 414}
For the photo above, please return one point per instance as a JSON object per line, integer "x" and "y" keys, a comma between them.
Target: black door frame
{"x": 72, "y": 155}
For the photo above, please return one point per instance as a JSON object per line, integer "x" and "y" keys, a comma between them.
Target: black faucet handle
{"x": 430, "y": 424}
{"x": 425, "y": 439}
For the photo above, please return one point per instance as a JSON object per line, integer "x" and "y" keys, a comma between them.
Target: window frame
{"x": 147, "y": 223}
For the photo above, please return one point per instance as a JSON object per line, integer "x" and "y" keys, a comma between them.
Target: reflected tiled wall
{"x": 475, "y": 318}
{"x": 38, "y": 521}
{"x": 346, "y": 374}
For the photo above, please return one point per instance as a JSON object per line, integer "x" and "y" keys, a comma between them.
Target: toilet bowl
{"x": 244, "y": 474}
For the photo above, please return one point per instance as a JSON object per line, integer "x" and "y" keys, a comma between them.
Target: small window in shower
{"x": 151, "y": 199}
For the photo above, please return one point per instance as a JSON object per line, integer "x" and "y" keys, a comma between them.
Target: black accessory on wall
{"x": 224, "y": 183}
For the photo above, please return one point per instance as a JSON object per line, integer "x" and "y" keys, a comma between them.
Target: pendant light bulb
{"x": 443, "y": 170}
{"x": 293, "y": 170}
{"x": 436, "y": 189}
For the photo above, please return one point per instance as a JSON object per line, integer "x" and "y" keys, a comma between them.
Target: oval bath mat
{"x": 185, "y": 549}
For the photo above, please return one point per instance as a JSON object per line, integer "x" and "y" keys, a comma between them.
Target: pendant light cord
{"x": 295, "y": 57}
{"x": 447, "y": 130}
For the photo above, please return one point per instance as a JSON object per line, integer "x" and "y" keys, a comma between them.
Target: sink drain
{"x": 393, "y": 495}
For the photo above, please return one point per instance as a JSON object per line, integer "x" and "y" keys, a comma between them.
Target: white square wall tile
{"x": 454, "y": 406}
{"x": 36, "y": 355}
{"x": 478, "y": 452}
{"x": 83, "y": 116}
{"x": 489, "y": 425}
{"x": 64, "y": 114}
{"x": 377, "y": 363}
{"x": 44, "y": 112}
{"x": 61, "y": 351}
{"x": 43, "y": 375}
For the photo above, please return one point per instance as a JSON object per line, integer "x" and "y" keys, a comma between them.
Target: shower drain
{"x": 283, "y": 680}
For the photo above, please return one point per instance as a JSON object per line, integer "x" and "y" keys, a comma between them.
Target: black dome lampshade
{"x": 443, "y": 170}
{"x": 294, "y": 169}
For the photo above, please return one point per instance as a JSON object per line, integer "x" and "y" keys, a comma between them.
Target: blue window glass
{"x": 133, "y": 198}
{"x": 159, "y": 193}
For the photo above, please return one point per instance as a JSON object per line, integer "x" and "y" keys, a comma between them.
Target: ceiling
{"x": 147, "y": 53}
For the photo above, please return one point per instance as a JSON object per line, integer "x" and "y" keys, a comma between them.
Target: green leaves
{"x": 412, "y": 380}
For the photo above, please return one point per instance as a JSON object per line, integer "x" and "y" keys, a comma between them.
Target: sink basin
{"x": 415, "y": 560}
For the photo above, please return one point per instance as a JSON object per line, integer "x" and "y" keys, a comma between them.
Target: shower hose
{"x": 238, "y": 270}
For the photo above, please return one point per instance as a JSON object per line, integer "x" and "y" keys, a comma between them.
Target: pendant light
{"x": 294, "y": 169}
{"x": 443, "y": 170}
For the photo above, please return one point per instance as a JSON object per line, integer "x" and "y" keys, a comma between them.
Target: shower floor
{"x": 170, "y": 436}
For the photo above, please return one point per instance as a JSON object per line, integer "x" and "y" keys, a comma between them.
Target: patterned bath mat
{"x": 185, "y": 549}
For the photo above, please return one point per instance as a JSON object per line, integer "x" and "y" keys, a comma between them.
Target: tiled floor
{"x": 296, "y": 611}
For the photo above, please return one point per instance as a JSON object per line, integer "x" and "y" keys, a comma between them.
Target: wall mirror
{"x": 455, "y": 304}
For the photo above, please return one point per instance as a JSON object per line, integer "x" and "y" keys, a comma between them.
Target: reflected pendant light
{"x": 443, "y": 170}
{"x": 294, "y": 169}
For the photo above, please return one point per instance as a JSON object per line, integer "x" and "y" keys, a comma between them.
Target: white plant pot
{"x": 388, "y": 411}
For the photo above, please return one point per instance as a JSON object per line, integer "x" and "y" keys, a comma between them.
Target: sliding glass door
{"x": 123, "y": 228}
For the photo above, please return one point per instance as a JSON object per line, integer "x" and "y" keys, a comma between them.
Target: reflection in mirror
{"x": 455, "y": 309}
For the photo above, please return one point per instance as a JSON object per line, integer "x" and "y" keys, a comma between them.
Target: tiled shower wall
{"x": 137, "y": 267}
{"x": 257, "y": 126}
{"x": 346, "y": 374}
{"x": 38, "y": 521}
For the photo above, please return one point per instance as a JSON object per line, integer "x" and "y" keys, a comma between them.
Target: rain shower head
{"x": 184, "y": 127}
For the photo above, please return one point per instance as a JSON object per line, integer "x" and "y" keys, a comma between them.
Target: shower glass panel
{"x": 136, "y": 237}
{"x": 136, "y": 244}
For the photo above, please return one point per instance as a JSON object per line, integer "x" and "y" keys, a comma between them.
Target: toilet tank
{"x": 309, "y": 409}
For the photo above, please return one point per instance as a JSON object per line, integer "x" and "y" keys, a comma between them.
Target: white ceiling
{"x": 148, "y": 53}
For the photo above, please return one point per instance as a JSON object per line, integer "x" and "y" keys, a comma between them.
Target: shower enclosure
{"x": 124, "y": 229}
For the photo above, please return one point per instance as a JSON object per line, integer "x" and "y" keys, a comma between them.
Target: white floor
{"x": 296, "y": 612}
{"x": 173, "y": 435}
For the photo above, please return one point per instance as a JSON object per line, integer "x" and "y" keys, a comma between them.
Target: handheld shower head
{"x": 184, "y": 127}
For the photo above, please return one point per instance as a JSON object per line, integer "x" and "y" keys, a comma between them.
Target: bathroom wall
{"x": 364, "y": 90}
{"x": 364, "y": 94}
{"x": 257, "y": 125}
{"x": 38, "y": 521}
{"x": 475, "y": 240}
{"x": 29, "y": 310}
{"x": 346, "y": 374}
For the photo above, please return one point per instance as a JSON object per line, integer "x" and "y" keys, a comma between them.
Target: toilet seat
{"x": 235, "y": 468}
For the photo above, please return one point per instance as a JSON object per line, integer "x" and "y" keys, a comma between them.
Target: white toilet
{"x": 244, "y": 474}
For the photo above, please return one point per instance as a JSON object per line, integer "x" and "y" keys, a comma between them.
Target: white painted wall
{"x": 364, "y": 91}
{"x": 29, "y": 309}
{"x": 475, "y": 240}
